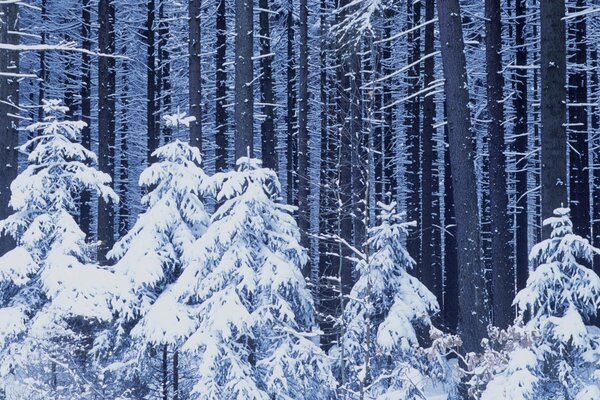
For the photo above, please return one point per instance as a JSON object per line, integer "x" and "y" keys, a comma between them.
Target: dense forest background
{"x": 477, "y": 119}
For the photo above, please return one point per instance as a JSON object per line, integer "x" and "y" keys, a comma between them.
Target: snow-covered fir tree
{"x": 555, "y": 355}
{"x": 387, "y": 313}
{"x": 155, "y": 252}
{"x": 49, "y": 289}
{"x": 254, "y": 333}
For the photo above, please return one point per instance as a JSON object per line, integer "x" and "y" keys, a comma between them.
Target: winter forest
{"x": 299, "y": 199}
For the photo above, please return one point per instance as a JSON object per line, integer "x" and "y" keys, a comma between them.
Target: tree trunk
{"x": 303, "y": 138}
{"x": 503, "y": 289}
{"x": 106, "y": 121}
{"x": 413, "y": 131}
{"x": 292, "y": 138}
{"x": 432, "y": 275}
{"x": 554, "y": 137}
{"x": 164, "y": 62}
{"x": 195, "y": 77}
{"x": 85, "y": 217}
{"x": 164, "y": 389}
{"x": 176, "y": 375}
{"x": 269, "y": 155}
{"x": 153, "y": 135}
{"x": 474, "y": 316}
{"x": 124, "y": 154}
{"x": 244, "y": 98}
{"x": 521, "y": 146}
{"x": 9, "y": 94}
{"x": 578, "y": 125}
{"x": 221, "y": 88}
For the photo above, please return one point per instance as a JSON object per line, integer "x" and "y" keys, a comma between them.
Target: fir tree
{"x": 387, "y": 313}
{"x": 255, "y": 330}
{"x": 559, "y": 358}
{"x": 50, "y": 289}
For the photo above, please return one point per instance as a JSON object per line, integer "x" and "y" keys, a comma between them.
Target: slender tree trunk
{"x": 474, "y": 312}
{"x": 451, "y": 289}
{"x": 553, "y": 110}
{"x": 413, "y": 129}
{"x": 303, "y": 138}
{"x": 164, "y": 388}
{"x": 221, "y": 88}
{"x": 9, "y": 94}
{"x": 292, "y": 138}
{"x": 195, "y": 77}
{"x": 164, "y": 62}
{"x": 43, "y": 74}
{"x": 124, "y": 154}
{"x": 86, "y": 109}
{"x": 521, "y": 131}
{"x": 389, "y": 156}
{"x": 432, "y": 275}
{"x": 578, "y": 125}
{"x": 503, "y": 278}
{"x": 244, "y": 98}
{"x": 176, "y": 375}
{"x": 151, "y": 96}
{"x": 106, "y": 121}
{"x": 269, "y": 155}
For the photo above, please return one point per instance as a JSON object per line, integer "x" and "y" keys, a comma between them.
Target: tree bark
{"x": 85, "y": 217}
{"x": 292, "y": 138}
{"x": 9, "y": 94}
{"x": 106, "y": 121}
{"x": 221, "y": 88}
{"x": 244, "y": 98}
{"x": 553, "y": 110}
{"x": 195, "y": 77}
{"x": 473, "y": 316}
{"x": 151, "y": 121}
{"x": 503, "y": 278}
{"x": 269, "y": 155}
{"x": 413, "y": 131}
{"x": 578, "y": 125}
{"x": 303, "y": 137}
{"x": 432, "y": 274}
{"x": 521, "y": 146}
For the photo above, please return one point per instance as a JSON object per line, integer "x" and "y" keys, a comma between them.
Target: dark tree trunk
{"x": 43, "y": 74}
{"x": 269, "y": 155}
{"x": 151, "y": 121}
{"x": 106, "y": 121}
{"x": 124, "y": 153}
{"x": 164, "y": 62}
{"x": 553, "y": 79}
{"x": 9, "y": 94}
{"x": 86, "y": 109}
{"x": 451, "y": 292}
{"x": 195, "y": 77}
{"x": 503, "y": 288}
{"x": 578, "y": 125}
{"x": 521, "y": 146}
{"x": 176, "y": 375}
{"x": 221, "y": 88}
{"x": 244, "y": 98}
{"x": 474, "y": 312}
{"x": 413, "y": 133}
{"x": 164, "y": 389}
{"x": 292, "y": 138}
{"x": 389, "y": 156}
{"x": 432, "y": 274}
{"x": 303, "y": 138}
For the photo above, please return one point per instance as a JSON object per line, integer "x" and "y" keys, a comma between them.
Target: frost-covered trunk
{"x": 474, "y": 311}
{"x": 221, "y": 122}
{"x": 244, "y": 96}
{"x": 502, "y": 266}
{"x": 106, "y": 120}
{"x": 553, "y": 107}
{"x": 267, "y": 97}
{"x": 9, "y": 96}
{"x": 579, "y": 173}
{"x": 194, "y": 74}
